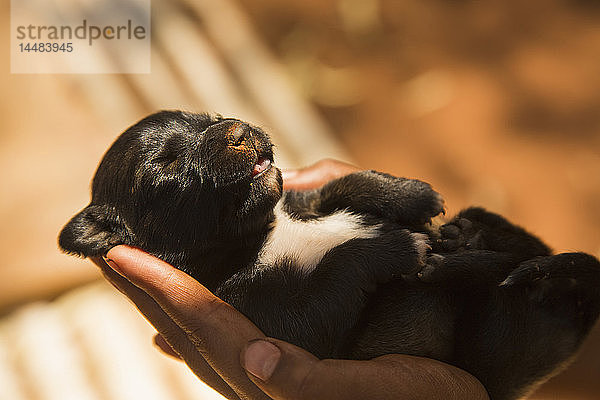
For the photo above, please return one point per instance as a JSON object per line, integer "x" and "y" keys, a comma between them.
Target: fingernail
{"x": 111, "y": 263}
{"x": 261, "y": 358}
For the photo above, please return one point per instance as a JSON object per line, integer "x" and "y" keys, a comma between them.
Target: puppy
{"x": 350, "y": 270}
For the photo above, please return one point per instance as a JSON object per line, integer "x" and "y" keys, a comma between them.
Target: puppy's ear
{"x": 92, "y": 232}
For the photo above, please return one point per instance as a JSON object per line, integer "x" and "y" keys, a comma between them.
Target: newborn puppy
{"x": 346, "y": 270}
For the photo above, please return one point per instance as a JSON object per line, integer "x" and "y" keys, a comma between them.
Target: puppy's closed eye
{"x": 166, "y": 160}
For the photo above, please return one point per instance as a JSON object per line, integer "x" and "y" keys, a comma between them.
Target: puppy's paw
{"x": 428, "y": 203}
{"x": 558, "y": 277}
{"x": 403, "y": 254}
{"x": 459, "y": 234}
{"x": 438, "y": 205}
{"x": 409, "y": 201}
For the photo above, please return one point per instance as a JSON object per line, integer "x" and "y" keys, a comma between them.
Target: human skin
{"x": 231, "y": 354}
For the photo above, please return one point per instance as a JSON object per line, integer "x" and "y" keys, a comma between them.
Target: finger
{"x": 176, "y": 338}
{"x": 216, "y": 329}
{"x": 316, "y": 175}
{"x": 285, "y": 372}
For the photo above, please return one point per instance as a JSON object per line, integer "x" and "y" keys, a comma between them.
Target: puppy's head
{"x": 178, "y": 182}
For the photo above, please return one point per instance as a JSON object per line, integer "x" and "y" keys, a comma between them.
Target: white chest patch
{"x": 306, "y": 242}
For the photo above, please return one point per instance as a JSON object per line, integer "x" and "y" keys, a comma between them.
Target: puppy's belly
{"x": 306, "y": 242}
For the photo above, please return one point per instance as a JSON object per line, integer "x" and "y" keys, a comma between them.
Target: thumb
{"x": 278, "y": 368}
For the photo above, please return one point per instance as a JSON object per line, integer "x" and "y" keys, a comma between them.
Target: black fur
{"x": 489, "y": 297}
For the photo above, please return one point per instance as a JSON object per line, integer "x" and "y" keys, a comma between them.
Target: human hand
{"x": 232, "y": 355}
{"x": 316, "y": 175}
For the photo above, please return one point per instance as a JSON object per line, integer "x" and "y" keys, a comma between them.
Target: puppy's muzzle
{"x": 238, "y": 134}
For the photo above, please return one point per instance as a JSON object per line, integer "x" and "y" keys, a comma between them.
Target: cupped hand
{"x": 232, "y": 355}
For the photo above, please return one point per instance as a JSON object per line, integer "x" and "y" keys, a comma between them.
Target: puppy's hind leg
{"x": 567, "y": 283}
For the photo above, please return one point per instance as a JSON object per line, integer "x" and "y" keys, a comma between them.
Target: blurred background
{"x": 494, "y": 103}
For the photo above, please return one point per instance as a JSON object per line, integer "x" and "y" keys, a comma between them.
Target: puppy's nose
{"x": 237, "y": 132}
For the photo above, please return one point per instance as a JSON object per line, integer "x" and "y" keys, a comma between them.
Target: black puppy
{"x": 344, "y": 271}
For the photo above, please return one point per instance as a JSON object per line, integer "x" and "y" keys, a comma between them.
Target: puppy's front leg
{"x": 409, "y": 202}
{"x": 316, "y": 309}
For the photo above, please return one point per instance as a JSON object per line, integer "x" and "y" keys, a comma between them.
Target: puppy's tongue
{"x": 261, "y": 166}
